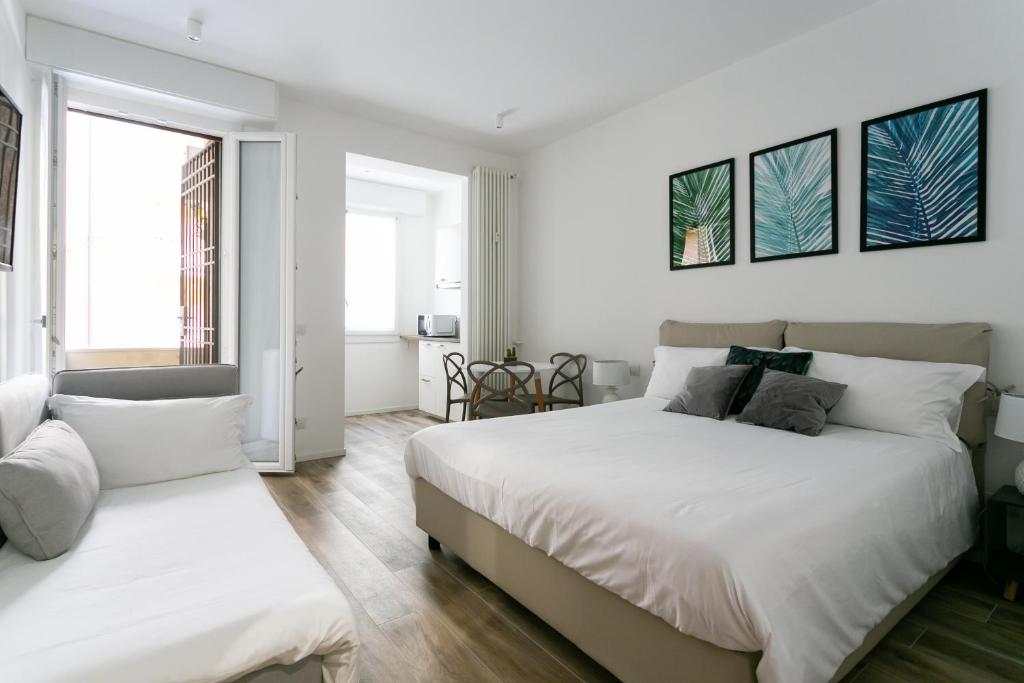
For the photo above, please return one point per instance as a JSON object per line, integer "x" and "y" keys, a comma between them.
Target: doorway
{"x": 406, "y": 256}
{"x": 142, "y": 207}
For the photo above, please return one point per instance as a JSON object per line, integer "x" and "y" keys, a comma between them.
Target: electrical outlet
{"x": 300, "y": 329}
{"x": 300, "y": 423}
{"x": 634, "y": 370}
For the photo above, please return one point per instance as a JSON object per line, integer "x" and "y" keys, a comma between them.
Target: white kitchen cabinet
{"x": 433, "y": 384}
{"x": 428, "y": 397}
{"x": 448, "y": 256}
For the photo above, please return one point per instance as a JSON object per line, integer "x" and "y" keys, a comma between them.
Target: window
{"x": 140, "y": 231}
{"x": 370, "y": 273}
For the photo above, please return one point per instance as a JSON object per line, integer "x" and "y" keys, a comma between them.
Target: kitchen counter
{"x": 416, "y": 338}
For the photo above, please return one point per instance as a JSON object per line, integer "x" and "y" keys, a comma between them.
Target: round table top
{"x": 538, "y": 366}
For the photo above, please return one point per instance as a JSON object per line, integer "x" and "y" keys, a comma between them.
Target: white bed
{"x": 199, "y": 579}
{"x": 749, "y": 538}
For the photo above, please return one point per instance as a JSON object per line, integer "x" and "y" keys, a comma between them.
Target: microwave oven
{"x": 438, "y": 325}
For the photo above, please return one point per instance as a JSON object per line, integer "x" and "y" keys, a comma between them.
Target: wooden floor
{"x": 427, "y": 616}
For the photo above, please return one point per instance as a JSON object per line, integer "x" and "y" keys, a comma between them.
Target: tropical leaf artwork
{"x": 923, "y": 175}
{"x": 793, "y": 190}
{"x": 702, "y": 216}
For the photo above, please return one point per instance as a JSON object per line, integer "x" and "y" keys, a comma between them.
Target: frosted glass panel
{"x": 259, "y": 295}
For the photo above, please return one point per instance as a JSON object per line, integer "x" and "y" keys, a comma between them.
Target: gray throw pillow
{"x": 709, "y": 391}
{"x": 791, "y": 402}
{"x": 48, "y": 488}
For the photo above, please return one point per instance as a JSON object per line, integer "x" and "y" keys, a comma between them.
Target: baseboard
{"x": 374, "y": 411}
{"x": 305, "y": 457}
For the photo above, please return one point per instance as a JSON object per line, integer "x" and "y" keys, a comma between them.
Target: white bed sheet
{"x": 750, "y": 538}
{"x": 199, "y": 579}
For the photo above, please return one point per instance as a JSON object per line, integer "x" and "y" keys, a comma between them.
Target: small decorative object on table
{"x": 1010, "y": 425}
{"x": 1004, "y": 510}
{"x": 611, "y": 374}
{"x": 510, "y": 354}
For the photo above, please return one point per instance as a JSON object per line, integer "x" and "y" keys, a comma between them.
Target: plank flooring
{"x": 427, "y": 616}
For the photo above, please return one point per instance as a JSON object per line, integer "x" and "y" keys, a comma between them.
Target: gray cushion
{"x": 22, "y": 408}
{"x": 148, "y": 384}
{"x": 709, "y": 391}
{"x": 792, "y": 402}
{"x": 48, "y": 488}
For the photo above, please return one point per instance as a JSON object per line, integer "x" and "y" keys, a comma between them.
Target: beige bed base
{"x": 630, "y": 642}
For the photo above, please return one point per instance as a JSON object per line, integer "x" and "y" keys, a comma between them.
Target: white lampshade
{"x": 611, "y": 373}
{"x": 1010, "y": 421}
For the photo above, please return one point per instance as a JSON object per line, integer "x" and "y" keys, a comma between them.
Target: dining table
{"x": 542, "y": 369}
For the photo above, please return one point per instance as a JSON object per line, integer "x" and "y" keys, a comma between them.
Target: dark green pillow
{"x": 759, "y": 361}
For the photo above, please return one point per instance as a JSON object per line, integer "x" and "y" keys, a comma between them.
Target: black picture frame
{"x": 982, "y": 133}
{"x": 833, "y": 136}
{"x": 730, "y": 164}
{"x": 10, "y": 161}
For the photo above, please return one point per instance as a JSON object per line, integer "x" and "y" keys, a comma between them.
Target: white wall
{"x": 324, "y": 137}
{"x": 21, "y": 290}
{"x": 594, "y": 267}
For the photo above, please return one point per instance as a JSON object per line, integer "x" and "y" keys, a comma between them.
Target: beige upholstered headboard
{"x": 714, "y": 335}
{"x": 938, "y": 343}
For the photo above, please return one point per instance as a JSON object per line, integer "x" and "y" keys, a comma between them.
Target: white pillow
{"x": 915, "y": 398}
{"x": 673, "y": 363}
{"x": 142, "y": 442}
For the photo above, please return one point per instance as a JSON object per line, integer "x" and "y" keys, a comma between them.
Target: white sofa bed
{"x": 197, "y": 579}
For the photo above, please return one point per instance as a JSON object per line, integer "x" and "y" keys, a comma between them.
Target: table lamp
{"x": 611, "y": 374}
{"x": 1009, "y": 425}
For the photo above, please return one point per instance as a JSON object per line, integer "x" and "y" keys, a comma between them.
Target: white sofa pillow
{"x": 673, "y": 363}
{"x": 142, "y": 442}
{"x": 915, "y": 398}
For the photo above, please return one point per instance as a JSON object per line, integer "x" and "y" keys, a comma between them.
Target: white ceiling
{"x": 446, "y": 67}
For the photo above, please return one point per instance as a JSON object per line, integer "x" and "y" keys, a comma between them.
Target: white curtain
{"x": 493, "y": 204}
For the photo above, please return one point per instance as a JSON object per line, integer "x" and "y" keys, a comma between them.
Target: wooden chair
{"x": 569, "y": 368}
{"x": 456, "y": 380}
{"x": 498, "y": 391}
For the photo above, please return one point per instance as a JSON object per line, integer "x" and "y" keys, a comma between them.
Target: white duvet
{"x": 751, "y": 538}
{"x": 199, "y": 579}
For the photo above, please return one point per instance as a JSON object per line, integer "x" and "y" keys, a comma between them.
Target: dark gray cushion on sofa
{"x": 709, "y": 391}
{"x": 48, "y": 488}
{"x": 792, "y": 402}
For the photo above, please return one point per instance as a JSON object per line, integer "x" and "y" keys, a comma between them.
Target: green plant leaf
{"x": 793, "y": 199}
{"x": 702, "y": 214}
{"x": 922, "y": 175}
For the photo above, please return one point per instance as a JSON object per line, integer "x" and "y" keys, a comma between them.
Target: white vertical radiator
{"x": 492, "y": 216}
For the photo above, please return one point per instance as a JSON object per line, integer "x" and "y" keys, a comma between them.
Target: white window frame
{"x": 375, "y": 336}
{"x": 229, "y": 283}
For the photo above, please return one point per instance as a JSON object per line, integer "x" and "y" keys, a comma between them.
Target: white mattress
{"x": 751, "y": 538}
{"x": 199, "y": 579}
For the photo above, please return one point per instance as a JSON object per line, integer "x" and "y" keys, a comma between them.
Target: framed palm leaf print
{"x": 701, "y": 222}
{"x": 923, "y": 175}
{"x": 793, "y": 199}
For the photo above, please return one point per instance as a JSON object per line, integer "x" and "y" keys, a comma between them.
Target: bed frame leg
{"x": 1010, "y": 592}
{"x": 433, "y": 543}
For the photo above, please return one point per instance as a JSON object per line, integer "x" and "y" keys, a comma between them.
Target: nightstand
{"x": 999, "y": 559}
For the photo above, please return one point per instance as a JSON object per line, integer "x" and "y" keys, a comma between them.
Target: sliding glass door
{"x": 260, "y": 207}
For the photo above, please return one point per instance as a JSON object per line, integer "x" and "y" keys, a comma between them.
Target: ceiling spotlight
{"x": 499, "y": 118}
{"x": 194, "y": 30}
